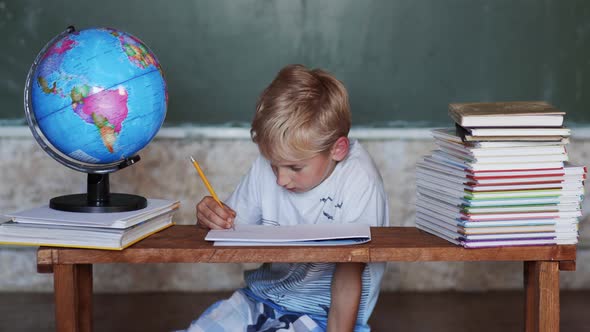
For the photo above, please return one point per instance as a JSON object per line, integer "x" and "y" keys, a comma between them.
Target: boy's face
{"x": 303, "y": 175}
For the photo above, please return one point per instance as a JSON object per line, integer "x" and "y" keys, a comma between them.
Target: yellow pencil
{"x": 207, "y": 184}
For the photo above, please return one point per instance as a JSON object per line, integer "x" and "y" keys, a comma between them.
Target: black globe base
{"x": 98, "y": 199}
{"x": 81, "y": 203}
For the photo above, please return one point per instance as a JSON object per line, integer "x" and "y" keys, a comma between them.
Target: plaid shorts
{"x": 243, "y": 312}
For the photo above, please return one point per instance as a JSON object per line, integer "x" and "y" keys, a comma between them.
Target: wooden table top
{"x": 186, "y": 244}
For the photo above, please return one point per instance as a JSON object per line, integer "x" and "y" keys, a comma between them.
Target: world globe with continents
{"x": 97, "y": 95}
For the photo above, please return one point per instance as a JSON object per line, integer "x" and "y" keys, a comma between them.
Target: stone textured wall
{"x": 30, "y": 177}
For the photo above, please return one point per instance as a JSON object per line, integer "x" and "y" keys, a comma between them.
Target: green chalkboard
{"x": 403, "y": 61}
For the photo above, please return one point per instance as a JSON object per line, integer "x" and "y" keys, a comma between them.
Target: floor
{"x": 407, "y": 312}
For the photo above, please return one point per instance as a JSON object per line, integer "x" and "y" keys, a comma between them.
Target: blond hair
{"x": 300, "y": 114}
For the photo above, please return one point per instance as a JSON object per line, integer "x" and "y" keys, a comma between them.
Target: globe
{"x": 94, "y": 98}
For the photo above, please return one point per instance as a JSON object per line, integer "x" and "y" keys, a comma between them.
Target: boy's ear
{"x": 340, "y": 149}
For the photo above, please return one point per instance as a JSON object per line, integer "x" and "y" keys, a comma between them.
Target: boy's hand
{"x": 211, "y": 215}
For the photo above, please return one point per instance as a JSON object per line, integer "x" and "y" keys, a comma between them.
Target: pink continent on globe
{"x": 105, "y": 109}
{"x": 109, "y": 104}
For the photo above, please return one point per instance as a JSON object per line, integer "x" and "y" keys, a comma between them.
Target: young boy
{"x": 308, "y": 173}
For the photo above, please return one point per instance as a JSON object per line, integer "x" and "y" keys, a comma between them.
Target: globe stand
{"x": 98, "y": 197}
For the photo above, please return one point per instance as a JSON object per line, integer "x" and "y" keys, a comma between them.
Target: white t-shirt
{"x": 353, "y": 193}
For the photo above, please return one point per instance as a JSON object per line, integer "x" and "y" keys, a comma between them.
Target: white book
{"x": 447, "y": 134}
{"x": 423, "y": 173}
{"x": 453, "y": 212}
{"x": 438, "y": 167}
{"x": 450, "y": 135}
{"x": 567, "y": 170}
{"x": 472, "y": 195}
{"x": 45, "y": 215}
{"x": 514, "y": 165}
{"x": 457, "y": 227}
{"x": 449, "y": 231}
{"x": 485, "y": 144}
{"x": 441, "y": 164}
{"x": 524, "y": 193}
{"x": 441, "y": 190}
{"x": 520, "y": 242}
{"x": 519, "y": 131}
{"x": 571, "y": 230}
{"x": 461, "y": 200}
{"x": 295, "y": 235}
{"x": 559, "y": 178}
{"x": 455, "y": 232}
{"x": 462, "y": 178}
{"x": 456, "y": 205}
{"x": 502, "y": 159}
{"x": 502, "y": 187}
{"x": 35, "y": 234}
{"x": 438, "y": 213}
{"x": 526, "y": 201}
{"x": 521, "y": 208}
{"x": 562, "y": 185}
{"x": 497, "y": 243}
{"x": 527, "y": 222}
{"x": 569, "y": 223}
{"x": 565, "y": 207}
{"x": 509, "y": 151}
{"x": 523, "y": 215}
{"x": 444, "y": 235}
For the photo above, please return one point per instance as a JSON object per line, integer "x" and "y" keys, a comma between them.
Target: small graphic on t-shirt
{"x": 329, "y": 208}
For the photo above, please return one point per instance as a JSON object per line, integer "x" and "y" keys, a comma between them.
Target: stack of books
{"x": 114, "y": 231}
{"x": 501, "y": 178}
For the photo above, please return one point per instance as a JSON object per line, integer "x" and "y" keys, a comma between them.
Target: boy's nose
{"x": 282, "y": 178}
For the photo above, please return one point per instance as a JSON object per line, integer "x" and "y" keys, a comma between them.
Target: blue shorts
{"x": 244, "y": 311}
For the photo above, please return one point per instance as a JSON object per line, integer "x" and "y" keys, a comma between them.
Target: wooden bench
{"x": 72, "y": 268}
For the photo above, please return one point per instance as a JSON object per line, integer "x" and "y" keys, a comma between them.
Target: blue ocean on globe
{"x": 98, "y": 95}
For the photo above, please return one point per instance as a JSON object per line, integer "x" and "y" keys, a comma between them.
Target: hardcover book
{"x": 506, "y": 114}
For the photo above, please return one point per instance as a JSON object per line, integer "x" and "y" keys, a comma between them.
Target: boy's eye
{"x": 296, "y": 168}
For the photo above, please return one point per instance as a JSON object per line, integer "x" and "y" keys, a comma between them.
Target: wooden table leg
{"x": 73, "y": 297}
{"x": 541, "y": 282}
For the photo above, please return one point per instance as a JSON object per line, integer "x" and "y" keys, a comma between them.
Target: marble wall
{"x": 30, "y": 177}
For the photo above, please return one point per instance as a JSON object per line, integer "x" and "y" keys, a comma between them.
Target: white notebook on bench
{"x": 296, "y": 235}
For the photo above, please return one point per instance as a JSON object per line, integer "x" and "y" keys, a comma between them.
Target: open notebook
{"x": 296, "y": 235}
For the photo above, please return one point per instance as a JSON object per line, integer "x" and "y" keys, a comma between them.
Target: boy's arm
{"x": 346, "y": 296}
{"x": 246, "y": 197}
